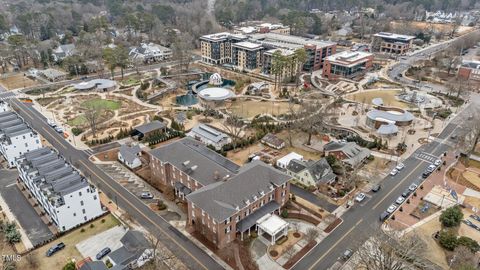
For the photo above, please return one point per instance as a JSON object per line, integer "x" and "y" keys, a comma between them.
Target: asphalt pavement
{"x": 186, "y": 251}
{"x": 309, "y": 196}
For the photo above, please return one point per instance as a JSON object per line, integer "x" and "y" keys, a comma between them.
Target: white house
{"x": 4, "y": 107}
{"x": 134, "y": 252}
{"x": 130, "y": 156}
{"x": 283, "y": 161}
{"x": 150, "y": 52}
{"x": 64, "y": 194}
{"x": 63, "y": 51}
{"x": 209, "y": 136}
{"x": 16, "y": 137}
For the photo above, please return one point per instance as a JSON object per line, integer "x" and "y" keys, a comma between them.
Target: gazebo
{"x": 272, "y": 225}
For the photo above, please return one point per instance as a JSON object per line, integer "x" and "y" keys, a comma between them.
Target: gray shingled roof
{"x": 187, "y": 153}
{"x": 95, "y": 265}
{"x": 221, "y": 199}
{"x": 129, "y": 153}
{"x": 134, "y": 245}
{"x": 355, "y": 154}
{"x": 149, "y": 127}
{"x": 320, "y": 169}
{"x": 270, "y": 138}
{"x": 208, "y": 133}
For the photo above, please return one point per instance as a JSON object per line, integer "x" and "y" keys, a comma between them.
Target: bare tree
{"x": 92, "y": 115}
{"x": 463, "y": 258}
{"x": 470, "y": 136}
{"x": 160, "y": 256}
{"x": 389, "y": 250}
{"x": 32, "y": 260}
{"x": 311, "y": 235}
{"x": 234, "y": 126}
{"x": 312, "y": 117}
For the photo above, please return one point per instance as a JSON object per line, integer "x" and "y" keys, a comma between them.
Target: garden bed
{"x": 333, "y": 225}
{"x": 292, "y": 261}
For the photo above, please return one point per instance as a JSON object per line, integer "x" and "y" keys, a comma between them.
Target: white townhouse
{"x": 64, "y": 194}
{"x": 16, "y": 137}
{"x": 150, "y": 52}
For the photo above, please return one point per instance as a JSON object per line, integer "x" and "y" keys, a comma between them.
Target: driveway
{"x": 93, "y": 245}
{"x": 330, "y": 207}
{"x": 37, "y": 231}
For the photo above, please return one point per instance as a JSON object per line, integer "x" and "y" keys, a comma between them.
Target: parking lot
{"x": 110, "y": 238}
{"x": 37, "y": 231}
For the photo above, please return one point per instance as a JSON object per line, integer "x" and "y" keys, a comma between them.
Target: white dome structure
{"x": 215, "y": 79}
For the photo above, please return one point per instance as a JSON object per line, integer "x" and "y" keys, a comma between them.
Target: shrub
{"x": 77, "y": 131}
{"x": 469, "y": 243}
{"x": 103, "y": 220}
{"x": 282, "y": 240}
{"x": 12, "y": 235}
{"x": 92, "y": 225}
{"x": 448, "y": 240}
{"x": 284, "y": 213}
{"x": 108, "y": 263}
{"x": 451, "y": 217}
{"x": 253, "y": 235}
{"x": 82, "y": 230}
{"x": 69, "y": 266}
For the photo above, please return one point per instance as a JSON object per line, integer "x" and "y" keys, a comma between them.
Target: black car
{"x": 103, "y": 253}
{"x": 55, "y": 249}
{"x": 477, "y": 218}
{"x": 425, "y": 174}
{"x": 376, "y": 188}
{"x": 384, "y": 216}
{"x": 406, "y": 193}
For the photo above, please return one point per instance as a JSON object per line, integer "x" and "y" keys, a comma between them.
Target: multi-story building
{"x": 224, "y": 200}
{"x": 150, "y": 52}
{"x": 247, "y": 55}
{"x": 392, "y": 43}
{"x": 4, "y": 106}
{"x": 268, "y": 62}
{"x": 16, "y": 137}
{"x": 251, "y": 28}
{"x": 225, "y": 47}
{"x": 347, "y": 64}
{"x": 63, "y": 193}
{"x": 469, "y": 70}
{"x": 217, "y": 48}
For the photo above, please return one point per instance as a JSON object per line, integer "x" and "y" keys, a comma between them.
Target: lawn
{"x": 106, "y": 104}
{"x": 58, "y": 260}
{"x": 77, "y": 121}
{"x": 251, "y": 108}
{"x": 472, "y": 177}
{"x": 388, "y": 96}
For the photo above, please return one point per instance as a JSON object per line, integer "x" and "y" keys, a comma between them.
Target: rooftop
{"x": 216, "y": 94}
{"x": 209, "y": 133}
{"x": 149, "y": 127}
{"x": 195, "y": 159}
{"x": 222, "y": 199}
{"x": 289, "y": 41}
{"x": 354, "y": 153}
{"x": 394, "y": 36}
{"x": 129, "y": 153}
{"x": 349, "y": 57}
{"x": 248, "y": 45}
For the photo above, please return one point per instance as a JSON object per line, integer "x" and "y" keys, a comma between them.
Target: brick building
{"x": 347, "y": 64}
{"x": 469, "y": 70}
{"x": 392, "y": 43}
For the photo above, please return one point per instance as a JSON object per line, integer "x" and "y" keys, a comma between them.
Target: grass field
{"x": 388, "y": 97}
{"x": 472, "y": 177}
{"x": 17, "y": 81}
{"x": 105, "y": 104}
{"x": 58, "y": 260}
{"x": 77, "y": 121}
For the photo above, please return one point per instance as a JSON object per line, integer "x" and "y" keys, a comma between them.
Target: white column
{"x": 241, "y": 236}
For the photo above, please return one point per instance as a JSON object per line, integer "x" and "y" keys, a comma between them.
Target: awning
{"x": 251, "y": 219}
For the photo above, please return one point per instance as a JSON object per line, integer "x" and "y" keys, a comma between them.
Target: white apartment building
{"x": 4, "y": 107}
{"x": 65, "y": 195}
{"x": 16, "y": 137}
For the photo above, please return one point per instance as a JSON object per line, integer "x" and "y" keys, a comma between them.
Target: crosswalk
{"x": 426, "y": 157}
{"x": 89, "y": 152}
{"x": 6, "y": 95}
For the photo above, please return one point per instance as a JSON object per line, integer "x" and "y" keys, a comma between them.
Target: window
{"x": 94, "y": 197}
{"x": 227, "y": 229}
{"x": 193, "y": 206}
{"x": 228, "y": 220}
{"x": 283, "y": 193}
{"x": 247, "y": 212}
{"x": 203, "y": 213}
{"x": 81, "y": 203}
{"x": 237, "y": 219}
{"x": 74, "y": 214}
{"x": 85, "y": 218}
{"x": 79, "y": 193}
{"x": 193, "y": 213}
{"x": 83, "y": 211}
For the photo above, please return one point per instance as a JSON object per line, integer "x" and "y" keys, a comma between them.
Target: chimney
{"x": 185, "y": 163}
{"x": 194, "y": 167}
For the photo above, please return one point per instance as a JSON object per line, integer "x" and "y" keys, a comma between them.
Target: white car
{"x": 59, "y": 129}
{"x": 437, "y": 162}
{"x": 51, "y": 123}
{"x": 412, "y": 187}
{"x": 431, "y": 168}
{"x": 360, "y": 197}
{"x": 400, "y": 200}
{"x": 394, "y": 172}
{"x": 400, "y": 166}
{"x": 391, "y": 208}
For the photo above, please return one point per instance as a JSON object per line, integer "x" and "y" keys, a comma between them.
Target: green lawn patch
{"x": 77, "y": 121}
{"x": 102, "y": 104}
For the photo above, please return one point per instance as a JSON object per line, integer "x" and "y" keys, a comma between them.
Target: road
{"x": 177, "y": 243}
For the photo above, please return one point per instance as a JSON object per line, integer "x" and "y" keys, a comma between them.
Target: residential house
{"x": 136, "y": 250}
{"x": 130, "y": 156}
{"x": 311, "y": 173}
{"x": 148, "y": 129}
{"x": 283, "y": 161}
{"x": 16, "y": 137}
{"x": 150, "y": 52}
{"x": 227, "y": 209}
{"x": 53, "y": 75}
{"x": 273, "y": 141}
{"x": 63, "y": 51}
{"x": 64, "y": 194}
{"x": 209, "y": 136}
{"x": 348, "y": 152}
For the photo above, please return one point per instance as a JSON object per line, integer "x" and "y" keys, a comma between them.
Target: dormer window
{"x": 255, "y": 197}
{"x": 247, "y": 202}
{"x": 262, "y": 193}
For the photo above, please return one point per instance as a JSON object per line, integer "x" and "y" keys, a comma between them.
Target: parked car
{"x": 431, "y": 168}
{"x": 347, "y": 254}
{"x": 103, "y": 253}
{"x": 51, "y": 123}
{"x": 391, "y": 208}
{"x": 438, "y": 162}
{"x": 360, "y": 197}
{"x": 400, "y": 166}
{"x": 146, "y": 195}
{"x": 477, "y": 218}
{"x": 400, "y": 200}
{"x": 384, "y": 215}
{"x": 425, "y": 174}
{"x": 406, "y": 193}
{"x": 394, "y": 172}
{"x": 59, "y": 129}
{"x": 376, "y": 188}
{"x": 55, "y": 249}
